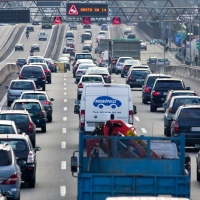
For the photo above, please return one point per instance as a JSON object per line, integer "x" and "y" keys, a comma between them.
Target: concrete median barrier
{"x": 7, "y": 71}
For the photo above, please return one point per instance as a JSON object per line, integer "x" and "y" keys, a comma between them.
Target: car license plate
{"x": 31, "y": 114}
{"x": 140, "y": 80}
{"x": 162, "y": 99}
{"x": 165, "y": 93}
{"x": 195, "y": 129}
{"x": 34, "y": 79}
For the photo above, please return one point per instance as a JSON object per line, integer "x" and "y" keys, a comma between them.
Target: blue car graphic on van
{"x": 106, "y": 101}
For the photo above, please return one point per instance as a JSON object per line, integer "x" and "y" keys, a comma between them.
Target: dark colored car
{"x": 152, "y": 60}
{"x": 43, "y": 98}
{"x": 73, "y": 25}
{"x": 186, "y": 121}
{"x": 69, "y": 34}
{"x": 131, "y": 36}
{"x": 87, "y": 47}
{"x": 46, "y": 69}
{"x": 20, "y": 62}
{"x": 82, "y": 56}
{"x": 103, "y": 62}
{"x": 35, "y": 109}
{"x": 85, "y": 36}
{"x": 160, "y": 90}
{"x": 104, "y": 27}
{"x": 30, "y": 28}
{"x": 19, "y": 47}
{"x": 86, "y": 26}
{"x": 22, "y": 120}
{"x": 25, "y": 155}
{"x": 35, "y": 47}
{"x": 96, "y": 50}
{"x": 127, "y": 65}
{"x": 136, "y": 77}
{"x": 148, "y": 84}
{"x": 69, "y": 50}
{"x": 35, "y": 22}
{"x": 35, "y": 73}
{"x": 100, "y": 71}
{"x": 51, "y": 64}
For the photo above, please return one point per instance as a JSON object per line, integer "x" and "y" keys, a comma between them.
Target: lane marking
{"x": 64, "y": 118}
{"x": 65, "y": 100}
{"x": 64, "y": 130}
{"x": 137, "y": 119}
{"x": 63, "y": 165}
{"x": 143, "y": 130}
{"x": 63, "y": 145}
{"x": 65, "y": 79}
{"x": 65, "y": 88}
{"x": 65, "y": 93}
{"x": 65, "y": 108}
{"x": 62, "y": 191}
{"x": 64, "y": 83}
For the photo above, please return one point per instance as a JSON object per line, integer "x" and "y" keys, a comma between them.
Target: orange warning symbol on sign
{"x": 73, "y": 10}
{"x": 86, "y": 20}
{"x": 57, "y": 20}
{"x": 116, "y": 21}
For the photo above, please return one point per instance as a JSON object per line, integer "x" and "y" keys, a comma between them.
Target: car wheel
{"x": 44, "y": 88}
{"x": 122, "y": 75}
{"x": 198, "y": 174}
{"x": 144, "y": 101}
{"x": 9, "y": 103}
{"x": 49, "y": 118}
{"x": 43, "y": 128}
{"x": 167, "y": 131}
{"x": 18, "y": 197}
{"x": 79, "y": 96}
{"x": 31, "y": 182}
{"x": 33, "y": 142}
{"x": 153, "y": 108}
{"x": 73, "y": 75}
{"x": 116, "y": 71}
{"x": 49, "y": 81}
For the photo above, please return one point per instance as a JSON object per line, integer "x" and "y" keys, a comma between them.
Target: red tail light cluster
{"x": 20, "y": 76}
{"x": 46, "y": 102}
{"x": 80, "y": 85}
{"x": 41, "y": 114}
{"x": 82, "y": 118}
{"x": 176, "y": 126}
{"x": 11, "y": 180}
{"x": 129, "y": 78}
{"x": 79, "y": 72}
{"x": 155, "y": 94}
{"x": 47, "y": 71}
{"x": 170, "y": 110}
{"x": 130, "y": 119}
{"x": 30, "y": 126}
{"x": 125, "y": 67}
{"x": 147, "y": 89}
{"x": 43, "y": 77}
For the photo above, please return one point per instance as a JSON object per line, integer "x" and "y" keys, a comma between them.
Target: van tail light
{"x": 155, "y": 94}
{"x": 170, "y": 110}
{"x": 130, "y": 117}
{"x": 79, "y": 72}
{"x": 82, "y": 118}
{"x": 30, "y": 158}
{"x": 11, "y": 180}
{"x": 30, "y": 126}
{"x": 196, "y": 94}
{"x": 20, "y": 76}
{"x": 80, "y": 85}
{"x": 41, "y": 114}
{"x": 43, "y": 77}
{"x": 176, "y": 126}
{"x": 147, "y": 89}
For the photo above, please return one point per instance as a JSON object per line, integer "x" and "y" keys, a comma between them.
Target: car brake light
{"x": 147, "y": 89}
{"x": 30, "y": 126}
{"x": 47, "y": 70}
{"x": 155, "y": 94}
{"x": 43, "y": 77}
{"x": 46, "y": 102}
{"x": 170, "y": 110}
{"x": 130, "y": 117}
{"x": 129, "y": 78}
{"x": 106, "y": 76}
{"x": 41, "y": 114}
{"x": 11, "y": 180}
{"x": 79, "y": 72}
{"x": 30, "y": 158}
{"x": 82, "y": 118}
{"x": 176, "y": 126}
{"x": 80, "y": 85}
{"x": 20, "y": 76}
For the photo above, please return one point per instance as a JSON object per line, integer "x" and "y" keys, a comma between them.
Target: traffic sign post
{"x": 57, "y": 20}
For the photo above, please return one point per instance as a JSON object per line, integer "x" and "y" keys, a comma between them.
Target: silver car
{"x": 82, "y": 68}
{"x": 10, "y": 173}
{"x": 18, "y": 86}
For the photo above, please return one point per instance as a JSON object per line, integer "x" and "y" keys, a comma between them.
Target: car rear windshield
{"x": 19, "y": 146}
{"x": 17, "y": 118}
{"x": 21, "y": 60}
{"x": 92, "y": 79}
{"x": 83, "y": 56}
{"x": 5, "y": 157}
{"x": 183, "y": 94}
{"x": 151, "y": 80}
{"x": 162, "y": 60}
{"x": 86, "y": 66}
{"x": 86, "y": 36}
{"x": 142, "y": 74}
{"x": 121, "y": 60}
{"x": 34, "y": 96}
{"x": 27, "y": 106}
{"x": 32, "y": 70}
{"x": 22, "y": 85}
{"x": 189, "y": 116}
{"x": 43, "y": 66}
{"x": 169, "y": 85}
{"x": 6, "y": 129}
{"x": 36, "y": 60}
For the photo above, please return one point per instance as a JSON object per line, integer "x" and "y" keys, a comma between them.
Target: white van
{"x": 99, "y": 101}
{"x": 147, "y": 198}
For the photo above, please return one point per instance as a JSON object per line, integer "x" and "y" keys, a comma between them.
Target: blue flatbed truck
{"x": 118, "y": 173}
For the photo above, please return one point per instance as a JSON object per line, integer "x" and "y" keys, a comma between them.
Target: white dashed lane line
{"x": 65, "y": 109}
{"x": 65, "y": 93}
{"x": 65, "y": 100}
{"x": 137, "y": 119}
{"x": 143, "y": 130}
{"x": 62, "y": 191}
{"x": 64, "y": 88}
{"x": 63, "y": 165}
{"x": 64, "y": 118}
{"x": 63, "y": 145}
{"x": 64, "y": 83}
{"x": 64, "y": 130}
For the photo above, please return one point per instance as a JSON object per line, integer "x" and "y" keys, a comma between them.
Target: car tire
{"x": 79, "y": 96}
{"x": 144, "y": 101}
{"x": 122, "y": 75}
{"x": 33, "y": 142}
{"x": 198, "y": 174}
{"x": 49, "y": 81}
{"x": 44, "y": 88}
{"x": 9, "y": 103}
{"x": 153, "y": 108}
{"x": 74, "y": 76}
{"x": 116, "y": 71}
{"x": 43, "y": 128}
{"x": 18, "y": 197}
{"x": 31, "y": 182}
{"x": 167, "y": 132}
{"x": 49, "y": 118}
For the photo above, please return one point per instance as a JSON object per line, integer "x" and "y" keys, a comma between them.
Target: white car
{"x": 119, "y": 63}
{"x": 102, "y": 33}
{"x": 162, "y": 61}
{"x": 42, "y": 35}
{"x": 69, "y": 39}
{"x": 35, "y": 59}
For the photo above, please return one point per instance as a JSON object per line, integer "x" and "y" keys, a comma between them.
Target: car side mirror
{"x": 165, "y": 105}
{"x": 52, "y": 99}
{"x": 187, "y": 88}
{"x": 17, "y": 73}
{"x": 74, "y": 164}
{"x": 76, "y": 109}
{"x": 77, "y": 101}
{"x": 134, "y": 109}
{"x": 37, "y": 149}
{"x": 6, "y": 87}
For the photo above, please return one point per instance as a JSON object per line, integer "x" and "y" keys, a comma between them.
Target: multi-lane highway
{"x": 54, "y": 180}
